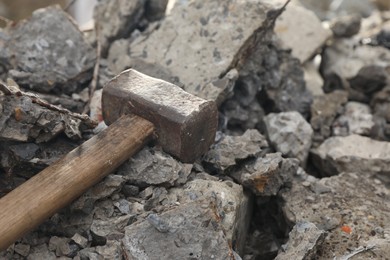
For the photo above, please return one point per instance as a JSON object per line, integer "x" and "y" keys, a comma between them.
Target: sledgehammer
{"x": 140, "y": 108}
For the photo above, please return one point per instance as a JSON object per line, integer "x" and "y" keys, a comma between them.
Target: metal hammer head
{"x": 185, "y": 124}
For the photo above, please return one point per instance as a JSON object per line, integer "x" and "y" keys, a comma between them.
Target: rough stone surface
{"x": 356, "y": 119}
{"x": 353, "y": 153}
{"x": 290, "y": 134}
{"x": 152, "y": 167}
{"x": 346, "y": 26}
{"x": 22, "y": 119}
{"x": 298, "y": 23}
{"x": 190, "y": 32}
{"x": 114, "y": 24}
{"x": 190, "y": 231}
{"x": 265, "y": 176}
{"x": 353, "y": 209}
{"x": 155, "y": 9}
{"x": 324, "y": 111}
{"x": 380, "y": 105}
{"x": 48, "y": 53}
{"x": 228, "y": 150}
{"x": 232, "y": 203}
{"x": 304, "y": 240}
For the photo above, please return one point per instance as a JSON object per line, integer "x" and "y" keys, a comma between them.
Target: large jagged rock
{"x": 117, "y": 19}
{"x": 298, "y": 23}
{"x": 189, "y": 35}
{"x": 353, "y": 153}
{"x": 189, "y": 231}
{"x": 354, "y": 210}
{"x": 290, "y": 134}
{"x": 48, "y": 53}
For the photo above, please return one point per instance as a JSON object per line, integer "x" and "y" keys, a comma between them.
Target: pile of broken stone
{"x": 300, "y": 165}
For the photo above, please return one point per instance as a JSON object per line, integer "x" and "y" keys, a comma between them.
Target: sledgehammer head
{"x": 185, "y": 124}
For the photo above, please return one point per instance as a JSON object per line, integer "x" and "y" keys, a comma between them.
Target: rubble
{"x": 307, "y": 236}
{"x": 380, "y": 105}
{"x": 265, "y": 176}
{"x": 356, "y": 119}
{"x": 352, "y": 211}
{"x": 324, "y": 110}
{"x": 346, "y": 26}
{"x": 297, "y": 23}
{"x": 151, "y": 167}
{"x": 116, "y": 25}
{"x": 228, "y": 150}
{"x": 290, "y": 134}
{"x": 45, "y": 60}
{"x": 353, "y": 153}
{"x": 192, "y": 230}
{"x": 313, "y": 78}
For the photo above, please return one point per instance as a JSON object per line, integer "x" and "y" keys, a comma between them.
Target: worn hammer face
{"x": 185, "y": 124}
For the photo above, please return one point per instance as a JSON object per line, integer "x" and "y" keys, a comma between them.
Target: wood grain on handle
{"x": 57, "y": 186}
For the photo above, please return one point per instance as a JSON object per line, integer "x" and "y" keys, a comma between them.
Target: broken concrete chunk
{"x": 62, "y": 247}
{"x": 110, "y": 228}
{"x": 48, "y": 53}
{"x": 230, "y": 149}
{"x": 190, "y": 32}
{"x": 104, "y": 189}
{"x": 152, "y": 167}
{"x": 265, "y": 176}
{"x": 324, "y": 111}
{"x": 41, "y": 252}
{"x": 301, "y": 31}
{"x": 346, "y": 26}
{"x": 290, "y": 134}
{"x": 22, "y": 249}
{"x": 303, "y": 242}
{"x": 352, "y": 153}
{"x": 194, "y": 231}
{"x": 79, "y": 240}
{"x": 351, "y": 223}
{"x": 231, "y": 202}
{"x": 117, "y": 19}
{"x": 356, "y": 119}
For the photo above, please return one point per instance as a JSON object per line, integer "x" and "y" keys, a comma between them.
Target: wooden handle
{"x": 37, "y": 199}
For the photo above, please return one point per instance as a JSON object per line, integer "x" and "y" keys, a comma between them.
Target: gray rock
{"x": 356, "y": 119}
{"x": 194, "y": 232}
{"x": 303, "y": 242}
{"x": 104, "y": 189}
{"x": 265, "y": 176}
{"x": 370, "y": 79}
{"x": 190, "y": 32}
{"x": 231, "y": 203}
{"x": 365, "y": 209}
{"x": 22, "y": 249}
{"x": 62, "y": 247}
{"x": 346, "y": 26}
{"x": 353, "y": 153}
{"x": 380, "y": 105}
{"x": 301, "y": 31}
{"x": 152, "y": 167}
{"x": 117, "y": 19}
{"x": 80, "y": 240}
{"x": 48, "y": 53}
{"x": 111, "y": 250}
{"x": 110, "y": 228}
{"x": 231, "y": 149}
{"x": 41, "y": 252}
{"x": 324, "y": 111}
{"x": 290, "y": 134}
